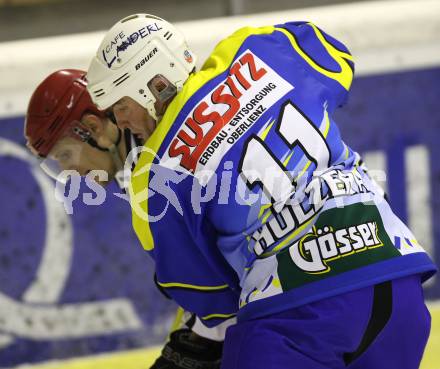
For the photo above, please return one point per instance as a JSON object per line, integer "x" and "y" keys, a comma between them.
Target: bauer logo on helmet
{"x": 146, "y": 59}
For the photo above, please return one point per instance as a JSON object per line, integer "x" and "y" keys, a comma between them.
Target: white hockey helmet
{"x": 133, "y": 52}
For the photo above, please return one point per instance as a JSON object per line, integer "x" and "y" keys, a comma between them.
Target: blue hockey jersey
{"x": 246, "y": 195}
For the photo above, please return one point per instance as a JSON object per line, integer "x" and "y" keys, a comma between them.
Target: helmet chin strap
{"x": 112, "y": 149}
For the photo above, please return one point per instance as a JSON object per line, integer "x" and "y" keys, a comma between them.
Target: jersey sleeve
{"x": 187, "y": 261}
{"x": 323, "y": 57}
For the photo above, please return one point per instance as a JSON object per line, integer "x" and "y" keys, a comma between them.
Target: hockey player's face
{"x": 72, "y": 154}
{"x": 130, "y": 114}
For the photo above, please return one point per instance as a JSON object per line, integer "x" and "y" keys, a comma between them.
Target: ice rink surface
{"x": 143, "y": 359}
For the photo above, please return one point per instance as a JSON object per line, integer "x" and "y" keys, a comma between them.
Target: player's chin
{"x": 142, "y": 136}
{"x": 141, "y": 133}
{"x": 102, "y": 179}
{"x": 102, "y": 183}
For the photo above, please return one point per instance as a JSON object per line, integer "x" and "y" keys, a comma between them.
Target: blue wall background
{"x": 393, "y": 112}
{"x": 388, "y": 112}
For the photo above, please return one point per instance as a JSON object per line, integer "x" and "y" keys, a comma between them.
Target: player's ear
{"x": 94, "y": 123}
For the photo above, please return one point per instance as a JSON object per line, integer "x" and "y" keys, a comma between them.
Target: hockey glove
{"x": 187, "y": 350}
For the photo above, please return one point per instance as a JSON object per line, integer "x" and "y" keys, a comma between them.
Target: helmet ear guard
{"x": 161, "y": 88}
{"x": 163, "y": 91}
{"x": 140, "y": 48}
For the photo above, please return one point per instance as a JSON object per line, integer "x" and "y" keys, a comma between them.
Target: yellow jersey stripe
{"x": 218, "y": 316}
{"x": 344, "y": 77}
{"x": 266, "y": 131}
{"x": 192, "y": 286}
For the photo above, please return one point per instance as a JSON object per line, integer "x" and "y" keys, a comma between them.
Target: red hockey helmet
{"x": 55, "y": 111}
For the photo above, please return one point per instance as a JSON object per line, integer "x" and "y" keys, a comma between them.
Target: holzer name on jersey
{"x": 315, "y": 250}
{"x": 146, "y": 59}
{"x": 278, "y": 229}
{"x": 250, "y": 87}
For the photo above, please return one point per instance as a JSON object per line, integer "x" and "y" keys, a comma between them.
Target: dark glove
{"x": 187, "y": 350}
